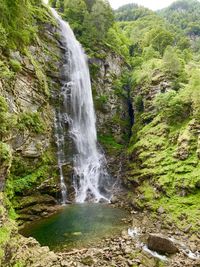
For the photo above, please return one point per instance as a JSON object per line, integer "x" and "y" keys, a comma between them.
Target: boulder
{"x": 114, "y": 200}
{"x": 161, "y": 244}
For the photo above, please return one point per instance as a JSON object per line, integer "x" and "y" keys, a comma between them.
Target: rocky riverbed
{"x": 130, "y": 248}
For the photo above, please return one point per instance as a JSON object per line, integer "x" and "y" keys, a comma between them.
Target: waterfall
{"x": 90, "y": 176}
{"x": 60, "y": 141}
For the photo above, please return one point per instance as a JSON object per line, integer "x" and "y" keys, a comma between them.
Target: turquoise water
{"x": 77, "y": 226}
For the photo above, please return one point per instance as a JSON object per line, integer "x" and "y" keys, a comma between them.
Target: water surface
{"x": 77, "y": 225}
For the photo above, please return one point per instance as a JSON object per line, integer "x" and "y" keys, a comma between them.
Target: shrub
{"x": 172, "y": 64}
{"x": 173, "y": 107}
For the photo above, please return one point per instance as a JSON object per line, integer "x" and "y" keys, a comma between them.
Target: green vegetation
{"x": 15, "y": 64}
{"x": 28, "y": 181}
{"x": 7, "y": 228}
{"x": 32, "y": 122}
{"x": 160, "y": 80}
{"x": 5, "y": 72}
{"x": 173, "y": 107}
{"x": 110, "y": 144}
{"x": 25, "y": 176}
{"x": 181, "y": 210}
{"x": 39, "y": 71}
{"x": 93, "y": 24}
{"x": 90, "y": 20}
{"x": 18, "y": 26}
{"x": 132, "y": 12}
{"x": 7, "y": 121}
{"x": 185, "y": 16}
{"x": 164, "y": 147}
{"x": 5, "y": 154}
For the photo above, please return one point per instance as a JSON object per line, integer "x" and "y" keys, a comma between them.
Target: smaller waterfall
{"x": 59, "y": 130}
{"x": 90, "y": 178}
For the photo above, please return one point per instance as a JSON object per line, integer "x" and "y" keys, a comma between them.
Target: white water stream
{"x": 90, "y": 174}
{"x": 135, "y": 234}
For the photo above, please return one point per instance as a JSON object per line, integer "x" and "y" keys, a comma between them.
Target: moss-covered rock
{"x": 27, "y": 148}
{"x": 163, "y": 151}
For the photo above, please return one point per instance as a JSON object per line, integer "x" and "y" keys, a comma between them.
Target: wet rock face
{"x": 111, "y": 107}
{"x": 161, "y": 244}
{"x": 110, "y": 104}
{"x": 27, "y": 139}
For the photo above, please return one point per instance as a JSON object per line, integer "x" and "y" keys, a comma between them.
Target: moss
{"x": 28, "y": 181}
{"x": 8, "y": 228}
{"x": 5, "y": 154}
{"x": 3, "y": 105}
{"x": 165, "y": 179}
{"x": 176, "y": 207}
{"x": 15, "y": 65}
{"x": 123, "y": 123}
{"x": 181, "y": 207}
{"x": 94, "y": 70}
{"x": 4, "y": 234}
{"x": 43, "y": 15}
{"x": 100, "y": 103}
{"x": 39, "y": 70}
{"x": 25, "y": 176}
{"x": 3, "y": 36}
{"x": 5, "y": 72}
{"x": 109, "y": 143}
{"x": 7, "y": 120}
{"x": 155, "y": 150}
{"x": 138, "y": 103}
{"x": 147, "y": 191}
{"x": 31, "y": 121}
{"x": 19, "y": 264}
{"x": 8, "y": 225}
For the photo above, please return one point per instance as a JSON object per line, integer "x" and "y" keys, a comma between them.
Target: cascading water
{"x": 59, "y": 130}
{"x": 90, "y": 178}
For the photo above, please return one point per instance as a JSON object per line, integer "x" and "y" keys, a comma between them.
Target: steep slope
{"x": 29, "y": 61}
{"x": 107, "y": 50}
{"x": 145, "y": 75}
{"x": 184, "y": 15}
{"x": 164, "y": 148}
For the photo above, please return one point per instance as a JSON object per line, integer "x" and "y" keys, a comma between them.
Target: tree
{"x": 118, "y": 41}
{"x": 159, "y": 39}
{"x": 60, "y": 5}
{"x": 131, "y": 12}
{"x": 89, "y": 4}
{"x": 194, "y": 93}
{"x": 53, "y": 3}
{"x": 101, "y": 18}
{"x": 173, "y": 65}
{"x": 75, "y": 12}
{"x": 149, "y": 53}
{"x": 16, "y": 20}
